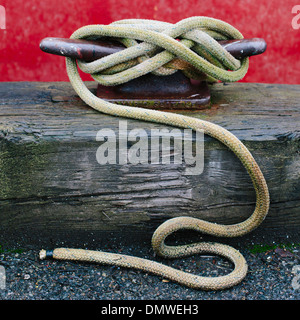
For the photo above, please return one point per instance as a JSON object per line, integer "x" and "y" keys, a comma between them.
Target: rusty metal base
{"x": 174, "y": 92}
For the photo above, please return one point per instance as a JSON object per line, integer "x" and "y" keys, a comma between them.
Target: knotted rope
{"x": 190, "y": 45}
{"x": 159, "y": 47}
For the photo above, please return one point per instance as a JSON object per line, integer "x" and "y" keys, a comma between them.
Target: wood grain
{"x": 51, "y": 185}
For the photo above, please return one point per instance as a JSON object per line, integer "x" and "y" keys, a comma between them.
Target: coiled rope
{"x": 157, "y": 47}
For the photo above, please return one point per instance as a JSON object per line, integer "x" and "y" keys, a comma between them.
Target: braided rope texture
{"x": 156, "y": 47}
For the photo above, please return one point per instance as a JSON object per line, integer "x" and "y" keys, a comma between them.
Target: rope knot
{"x": 163, "y": 48}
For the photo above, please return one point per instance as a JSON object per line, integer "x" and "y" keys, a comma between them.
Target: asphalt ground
{"x": 273, "y": 273}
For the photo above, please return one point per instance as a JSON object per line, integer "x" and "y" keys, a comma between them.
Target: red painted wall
{"x": 29, "y": 21}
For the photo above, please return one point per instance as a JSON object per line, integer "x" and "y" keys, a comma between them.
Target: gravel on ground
{"x": 273, "y": 274}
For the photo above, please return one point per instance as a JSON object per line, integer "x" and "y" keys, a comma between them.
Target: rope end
{"x": 45, "y": 254}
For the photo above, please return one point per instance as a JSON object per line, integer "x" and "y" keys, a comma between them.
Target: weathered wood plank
{"x": 51, "y": 183}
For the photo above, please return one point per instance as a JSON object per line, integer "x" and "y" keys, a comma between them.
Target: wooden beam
{"x": 51, "y": 184}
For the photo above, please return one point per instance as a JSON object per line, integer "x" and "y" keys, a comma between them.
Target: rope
{"x": 154, "y": 46}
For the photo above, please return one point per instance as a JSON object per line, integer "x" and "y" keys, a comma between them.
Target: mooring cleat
{"x": 172, "y": 92}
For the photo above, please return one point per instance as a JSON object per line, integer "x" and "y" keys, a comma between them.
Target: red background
{"x": 29, "y": 21}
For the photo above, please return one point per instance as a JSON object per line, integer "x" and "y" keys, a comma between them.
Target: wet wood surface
{"x": 53, "y": 188}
